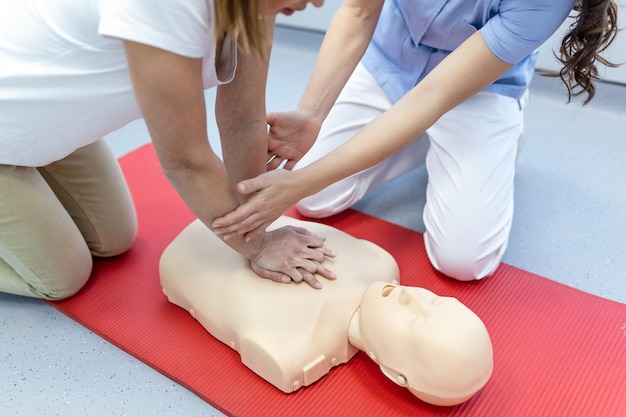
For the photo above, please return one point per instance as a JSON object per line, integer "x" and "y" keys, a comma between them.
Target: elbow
{"x": 364, "y": 13}
{"x": 181, "y": 167}
{"x": 178, "y": 172}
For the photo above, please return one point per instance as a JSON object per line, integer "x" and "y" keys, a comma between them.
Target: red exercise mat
{"x": 557, "y": 351}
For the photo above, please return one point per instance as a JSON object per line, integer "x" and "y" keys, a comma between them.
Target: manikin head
{"x": 434, "y": 346}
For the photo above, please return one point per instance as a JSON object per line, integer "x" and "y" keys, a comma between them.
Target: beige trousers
{"x": 53, "y": 219}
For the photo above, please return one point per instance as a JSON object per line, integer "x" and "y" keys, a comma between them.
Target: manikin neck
{"x": 354, "y": 330}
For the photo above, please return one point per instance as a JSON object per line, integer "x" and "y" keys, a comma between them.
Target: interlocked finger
{"x": 309, "y": 278}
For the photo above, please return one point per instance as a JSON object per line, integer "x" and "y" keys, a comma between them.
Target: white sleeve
{"x": 183, "y": 27}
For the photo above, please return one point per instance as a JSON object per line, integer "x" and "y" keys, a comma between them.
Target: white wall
{"x": 318, "y": 19}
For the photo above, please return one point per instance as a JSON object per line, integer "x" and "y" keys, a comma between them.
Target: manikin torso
{"x": 289, "y": 334}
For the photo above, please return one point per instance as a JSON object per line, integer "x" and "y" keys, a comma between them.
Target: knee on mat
{"x": 115, "y": 243}
{"x": 63, "y": 293}
{"x": 313, "y": 212}
{"x": 462, "y": 263}
{"x": 74, "y": 280}
{"x": 330, "y": 201}
{"x": 316, "y": 210}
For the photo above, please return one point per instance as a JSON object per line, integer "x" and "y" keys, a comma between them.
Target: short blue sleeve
{"x": 521, "y": 26}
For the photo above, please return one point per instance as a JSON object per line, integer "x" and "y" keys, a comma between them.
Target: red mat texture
{"x": 557, "y": 351}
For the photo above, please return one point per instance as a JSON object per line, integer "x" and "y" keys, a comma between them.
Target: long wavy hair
{"x": 242, "y": 18}
{"x": 593, "y": 30}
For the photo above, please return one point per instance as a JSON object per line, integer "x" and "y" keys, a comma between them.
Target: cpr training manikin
{"x": 292, "y": 334}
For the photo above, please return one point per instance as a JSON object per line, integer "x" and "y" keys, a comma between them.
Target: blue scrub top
{"x": 413, "y": 36}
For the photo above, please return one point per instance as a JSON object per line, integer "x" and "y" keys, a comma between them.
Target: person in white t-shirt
{"x": 73, "y": 72}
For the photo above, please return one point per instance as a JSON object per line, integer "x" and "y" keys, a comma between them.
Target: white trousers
{"x": 470, "y": 157}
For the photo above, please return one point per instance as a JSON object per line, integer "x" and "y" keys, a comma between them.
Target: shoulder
{"x": 533, "y": 16}
{"x": 180, "y": 26}
{"x": 518, "y": 27}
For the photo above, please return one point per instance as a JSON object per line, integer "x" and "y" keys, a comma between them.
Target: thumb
{"x": 251, "y": 186}
{"x": 271, "y": 118}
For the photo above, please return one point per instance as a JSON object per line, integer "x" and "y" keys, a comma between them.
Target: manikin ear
{"x": 401, "y": 380}
{"x": 395, "y": 376}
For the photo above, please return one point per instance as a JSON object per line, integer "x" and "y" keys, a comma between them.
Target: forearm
{"x": 205, "y": 189}
{"x": 170, "y": 94}
{"x": 241, "y": 114}
{"x": 344, "y": 44}
{"x": 464, "y": 73}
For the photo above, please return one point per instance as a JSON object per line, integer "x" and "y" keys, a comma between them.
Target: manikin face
{"x": 435, "y": 346}
{"x": 288, "y": 7}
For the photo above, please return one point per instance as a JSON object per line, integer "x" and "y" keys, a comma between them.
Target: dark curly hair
{"x": 593, "y": 30}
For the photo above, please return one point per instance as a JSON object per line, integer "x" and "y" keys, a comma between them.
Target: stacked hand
{"x": 302, "y": 255}
{"x": 291, "y": 135}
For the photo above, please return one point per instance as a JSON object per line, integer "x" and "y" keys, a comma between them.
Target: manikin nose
{"x": 415, "y": 300}
{"x": 406, "y": 297}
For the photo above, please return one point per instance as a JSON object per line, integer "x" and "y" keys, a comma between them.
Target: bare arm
{"x": 241, "y": 115}
{"x": 345, "y": 42}
{"x": 465, "y": 72}
{"x": 241, "y": 119}
{"x": 169, "y": 91}
{"x": 170, "y": 94}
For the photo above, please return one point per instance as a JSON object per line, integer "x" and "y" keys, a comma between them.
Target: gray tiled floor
{"x": 570, "y": 226}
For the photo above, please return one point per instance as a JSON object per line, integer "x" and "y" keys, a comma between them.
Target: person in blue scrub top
{"x": 401, "y": 83}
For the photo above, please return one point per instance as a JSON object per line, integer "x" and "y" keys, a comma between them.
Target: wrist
{"x": 313, "y": 115}
{"x": 253, "y": 250}
{"x": 306, "y": 181}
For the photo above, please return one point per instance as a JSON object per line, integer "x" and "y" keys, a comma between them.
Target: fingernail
{"x": 226, "y": 237}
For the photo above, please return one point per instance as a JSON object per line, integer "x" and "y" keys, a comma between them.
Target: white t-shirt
{"x": 64, "y": 80}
